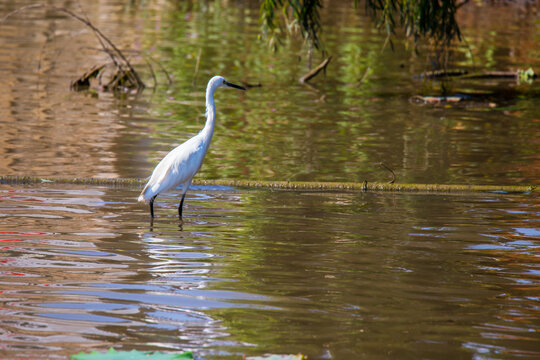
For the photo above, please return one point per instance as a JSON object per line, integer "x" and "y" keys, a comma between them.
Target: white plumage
{"x": 182, "y": 163}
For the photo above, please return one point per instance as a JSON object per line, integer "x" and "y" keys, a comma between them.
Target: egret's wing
{"x": 177, "y": 167}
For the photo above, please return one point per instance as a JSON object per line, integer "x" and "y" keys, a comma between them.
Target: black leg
{"x": 181, "y": 206}
{"x": 152, "y": 206}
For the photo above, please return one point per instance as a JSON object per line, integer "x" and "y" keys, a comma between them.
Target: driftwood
{"x": 313, "y": 72}
{"x": 83, "y": 82}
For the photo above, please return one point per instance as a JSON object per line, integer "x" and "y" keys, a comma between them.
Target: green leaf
{"x": 131, "y": 355}
{"x": 526, "y": 75}
{"x": 277, "y": 357}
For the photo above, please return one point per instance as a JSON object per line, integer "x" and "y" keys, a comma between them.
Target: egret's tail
{"x": 145, "y": 195}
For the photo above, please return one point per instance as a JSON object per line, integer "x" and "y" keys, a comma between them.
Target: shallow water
{"x": 331, "y": 275}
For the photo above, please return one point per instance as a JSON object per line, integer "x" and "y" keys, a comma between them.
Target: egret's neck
{"x": 210, "y": 114}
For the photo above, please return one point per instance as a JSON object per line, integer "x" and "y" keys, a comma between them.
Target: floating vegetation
{"x": 285, "y": 185}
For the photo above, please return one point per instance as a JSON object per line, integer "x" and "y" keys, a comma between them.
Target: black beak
{"x": 234, "y": 85}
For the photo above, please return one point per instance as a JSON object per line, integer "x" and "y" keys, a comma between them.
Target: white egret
{"x": 182, "y": 163}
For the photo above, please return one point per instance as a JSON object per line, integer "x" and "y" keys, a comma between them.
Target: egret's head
{"x": 219, "y": 81}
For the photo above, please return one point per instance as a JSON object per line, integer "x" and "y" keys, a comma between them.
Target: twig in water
{"x": 368, "y": 70}
{"x": 115, "y": 54}
{"x": 169, "y": 79}
{"x": 151, "y": 71}
{"x": 101, "y": 37}
{"x": 148, "y": 60}
{"x": 31, "y": 6}
{"x": 392, "y": 171}
{"x": 315, "y": 71}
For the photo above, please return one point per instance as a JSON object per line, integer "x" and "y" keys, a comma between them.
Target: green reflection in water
{"x": 342, "y": 125}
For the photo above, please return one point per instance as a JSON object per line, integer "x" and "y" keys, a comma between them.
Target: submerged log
{"x": 492, "y": 75}
{"x": 528, "y": 74}
{"x": 286, "y": 185}
{"x": 435, "y": 74}
{"x": 439, "y": 99}
{"x": 519, "y": 74}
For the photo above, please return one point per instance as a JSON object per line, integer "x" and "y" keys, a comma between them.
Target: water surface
{"x": 331, "y": 275}
{"x": 337, "y": 128}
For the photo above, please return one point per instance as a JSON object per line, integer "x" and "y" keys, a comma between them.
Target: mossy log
{"x": 283, "y": 185}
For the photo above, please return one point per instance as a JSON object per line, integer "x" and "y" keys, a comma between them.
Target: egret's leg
{"x": 181, "y": 206}
{"x": 185, "y": 187}
{"x": 152, "y": 206}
